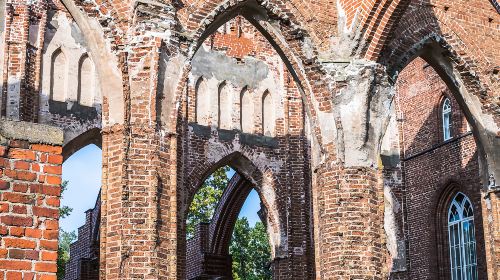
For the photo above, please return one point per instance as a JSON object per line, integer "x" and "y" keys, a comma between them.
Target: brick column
{"x": 16, "y": 37}
{"x": 30, "y": 178}
{"x": 350, "y": 211}
{"x": 491, "y": 224}
{"x": 131, "y": 242}
{"x": 347, "y": 185}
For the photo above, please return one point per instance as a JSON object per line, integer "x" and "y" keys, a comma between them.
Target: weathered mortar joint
{"x": 155, "y": 16}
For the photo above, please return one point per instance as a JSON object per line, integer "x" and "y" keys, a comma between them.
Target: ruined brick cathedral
{"x": 369, "y": 128}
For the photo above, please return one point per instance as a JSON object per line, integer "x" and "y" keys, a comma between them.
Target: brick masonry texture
{"x": 432, "y": 168}
{"x": 84, "y": 258}
{"x": 29, "y": 203}
{"x": 329, "y": 109}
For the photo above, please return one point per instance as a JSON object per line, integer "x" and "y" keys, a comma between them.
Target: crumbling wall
{"x": 76, "y": 105}
{"x": 239, "y": 57}
{"x": 29, "y": 199}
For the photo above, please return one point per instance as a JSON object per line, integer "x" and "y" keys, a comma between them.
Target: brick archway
{"x": 91, "y": 136}
{"x": 287, "y": 41}
{"x": 441, "y": 59}
{"x": 248, "y": 176}
{"x": 208, "y": 251}
{"x": 472, "y": 95}
{"x": 265, "y": 166}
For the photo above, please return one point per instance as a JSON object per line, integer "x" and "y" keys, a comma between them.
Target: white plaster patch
{"x": 393, "y": 244}
{"x": 277, "y": 238}
{"x": 263, "y": 162}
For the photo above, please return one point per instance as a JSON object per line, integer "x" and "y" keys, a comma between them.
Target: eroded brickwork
{"x": 29, "y": 201}
{"x": 308, "y": 100}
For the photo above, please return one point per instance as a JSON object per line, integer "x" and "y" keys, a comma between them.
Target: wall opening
{"x": 203, "y": 102}
{"x": 225, "y": 235}
{"x": 78, "y": 253}
{"x": 268, "y": 119}
{"x": 247, "y": 111}
{"x": 226, "y": 102}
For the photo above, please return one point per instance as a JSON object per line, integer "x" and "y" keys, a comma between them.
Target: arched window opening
{"x": 446, "y": 116}
{"x": 224, "y": 230}
{"x": 78, "y": 254}
{"x": 58, "y": 75}
{"x": 462, "y": 239}
{"x": 268, "y": 119}
{"x": 247, "y": 111}
{"x": 202, "y": 102}
{"x": 86, "y": 81}
{"x": 225, "y": 106}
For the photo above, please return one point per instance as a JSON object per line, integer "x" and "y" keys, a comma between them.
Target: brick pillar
{"x": 350, "y": 210}
{"x": 131, "y": 241}
{"x": 128, "y": 225}
{"x": 30, "y": 178}
{"x": 491, "y": 224}
{"x": 347, "y": 185}
{"x": 16, "y": 37}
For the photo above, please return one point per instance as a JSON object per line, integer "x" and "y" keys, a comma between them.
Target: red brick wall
{"x": 421, "y": 93}
{"x": 468, "y": 29}
{"x": 148, "y": 171}
{"x": 30, "y": 177}
{"x": 277, "y": 167}
{"x": 432, "y": 168}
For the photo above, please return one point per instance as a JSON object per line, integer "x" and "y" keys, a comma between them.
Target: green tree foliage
{"x": 65, "y": 238}
{"x": 64, "y": 211}
{"x": 249, "y": 246}
{"x": 250, "y": 251}
{"x": 205, "y": 200}
{"x": 260, "y": 252}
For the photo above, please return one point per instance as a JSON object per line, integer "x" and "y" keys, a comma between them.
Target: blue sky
{"x": 83, "y": 171}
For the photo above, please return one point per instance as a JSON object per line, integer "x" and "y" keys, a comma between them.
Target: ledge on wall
{"x": 31, "y": 132}
{"x": 230, "y": 135}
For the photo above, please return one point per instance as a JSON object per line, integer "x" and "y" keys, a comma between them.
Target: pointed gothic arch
{"x": 268, "y": 116}
{"x": 58, "y": 76}
{"x": 86, "y": 81}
